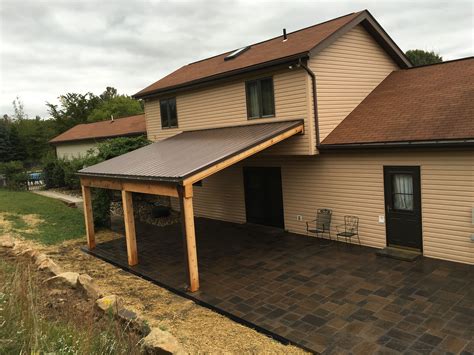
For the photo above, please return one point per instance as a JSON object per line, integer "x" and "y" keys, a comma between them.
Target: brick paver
{"x": 325, "y": 298}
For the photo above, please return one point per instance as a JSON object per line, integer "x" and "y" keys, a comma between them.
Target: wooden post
{"x": 129, "y": 219}
{"x": 88, "y": 216}
{"x": 187, "y": 218}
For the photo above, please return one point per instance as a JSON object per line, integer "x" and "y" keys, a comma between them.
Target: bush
{"x": 62, "y": 173}
{"x": 70, "y": 169}
{"x": 53, "y": 173}
{"x": 15, "y": 175}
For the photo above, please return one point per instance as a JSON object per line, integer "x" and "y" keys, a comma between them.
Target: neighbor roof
{"x": 187, "y": 153}
{"x": 273, "y": 51}
{"x": 429, "y": 103}
{"x": 126, "y": 126}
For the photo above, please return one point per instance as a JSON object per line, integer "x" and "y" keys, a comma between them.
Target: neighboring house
{"x": 79, "y": 139}
{"x": 383, "y": 141}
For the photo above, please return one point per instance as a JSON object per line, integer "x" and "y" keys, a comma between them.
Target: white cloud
{"x": 49, "y": 48}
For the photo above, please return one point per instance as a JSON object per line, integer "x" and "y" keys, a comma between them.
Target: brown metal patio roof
{"x": 188, "y": 153}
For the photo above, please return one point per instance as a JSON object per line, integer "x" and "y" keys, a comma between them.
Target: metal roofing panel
{"x": 187, "y": 153}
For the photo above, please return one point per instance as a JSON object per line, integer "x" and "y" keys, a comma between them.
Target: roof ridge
{"x": 443, "y": 62}
{"x": 271, "y": 39}
{"x": 109, "y": 120}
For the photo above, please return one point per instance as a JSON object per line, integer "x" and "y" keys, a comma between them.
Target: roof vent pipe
{"x": 285, "y": 37}
{"x": 112, "y": 118}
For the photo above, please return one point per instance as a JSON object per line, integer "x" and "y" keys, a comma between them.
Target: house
{"x": 77, "y": 140}
{"x": 332, "y": 116}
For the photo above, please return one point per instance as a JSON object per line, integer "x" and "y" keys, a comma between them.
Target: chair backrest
{"x": 323, "y": 219}
{"x": 351, "y": 224}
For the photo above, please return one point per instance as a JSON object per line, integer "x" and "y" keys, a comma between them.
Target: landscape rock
{"x": 161, "y": 342}
{"x": 64, "y": 279}
{"x": 7, "y": 242}
{"x": 89, "y": 286}
{"x": 50, "y": 266}
{"x": 133, "y": 321}
{"x": 32, "y": 253}
{"x": 18, "y": 248}
{"x": 40, "y": 257}
{"x": 108, "y": 304}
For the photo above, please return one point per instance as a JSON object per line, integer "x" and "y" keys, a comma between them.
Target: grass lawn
{"x": 39, "y": 218}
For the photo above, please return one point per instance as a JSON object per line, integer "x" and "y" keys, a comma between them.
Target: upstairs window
{"x": 169, "y": 117}
{"x": 260, "y": 98}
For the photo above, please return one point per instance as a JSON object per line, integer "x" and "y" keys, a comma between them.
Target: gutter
{"x": 315, "y": 100}
{"x": 409, "y": 144}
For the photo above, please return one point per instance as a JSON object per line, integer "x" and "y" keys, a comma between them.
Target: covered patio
{"x": 320, "y": 296}
{"x": 170, "y": 168}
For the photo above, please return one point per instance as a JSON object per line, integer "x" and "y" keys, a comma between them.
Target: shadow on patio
{"x": 318, "y": 296}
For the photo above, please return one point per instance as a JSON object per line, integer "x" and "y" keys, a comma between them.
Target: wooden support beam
{"x": 245, "y": 154}
{"x": 127, "y": 203}
{"x": 189, "y": 236}
{"x": 88, "y": 216}
{"x": 145, "y": 187}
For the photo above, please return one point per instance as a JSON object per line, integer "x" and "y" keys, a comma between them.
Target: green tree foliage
{"x": 15, "y": 174}
{"x": 5, "y": 147}
{"x": 26, "y": 139}
{"x": 118, "y": 106}
{"x": 73, "y": 109}
{"x": 420, "y": 57}
{"x": 62, "y": 173}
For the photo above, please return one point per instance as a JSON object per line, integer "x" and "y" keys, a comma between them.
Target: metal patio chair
{"x": 349, "y": 229}
{"x": 321, "y": 225}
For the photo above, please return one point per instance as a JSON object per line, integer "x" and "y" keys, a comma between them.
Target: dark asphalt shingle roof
{"x": 126, "y": 126}
{"x": 299, "y": 42}
{"x": 429, "y": 103}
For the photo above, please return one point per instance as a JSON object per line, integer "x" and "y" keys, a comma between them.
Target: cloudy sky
{"x": 49, "y": 48}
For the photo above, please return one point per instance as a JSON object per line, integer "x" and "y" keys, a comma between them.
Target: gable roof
{"x": 126, "y": 126}
{"x": 423, "y": 104}
{"x": 300, "y": 44}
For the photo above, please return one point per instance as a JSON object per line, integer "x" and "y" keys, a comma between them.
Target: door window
{"x": 402, "y": 187}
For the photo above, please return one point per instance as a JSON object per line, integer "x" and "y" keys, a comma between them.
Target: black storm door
{"x": 263, "y": 196}
{"x": 403, "y": 206}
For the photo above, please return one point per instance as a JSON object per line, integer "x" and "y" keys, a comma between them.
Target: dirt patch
{"x": 15, "y": 224}
{"x": 198, "y": 329}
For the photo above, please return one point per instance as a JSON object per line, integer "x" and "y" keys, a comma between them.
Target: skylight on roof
{"x": 236, "y": 53}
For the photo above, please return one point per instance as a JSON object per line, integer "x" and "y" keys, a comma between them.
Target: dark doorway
{"x": 263, "y": 196}
{"x": 403, "y": 206}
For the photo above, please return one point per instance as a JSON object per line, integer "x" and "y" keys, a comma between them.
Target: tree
{"x": 420, "y": 57}
{"x": 17, "y": 148}
{"x": 5, "y": 148}
{"x": 19, "y": 109}
{"x": 118, "y": 106}
{"x": 74, "y": 109}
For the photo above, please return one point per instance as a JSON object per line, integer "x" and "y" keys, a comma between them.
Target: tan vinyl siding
{"x": 74, "y": 149}
{"x": 352, "y": 183}
{"x": 346, "y": 72}
{"x": 225, "y": 105}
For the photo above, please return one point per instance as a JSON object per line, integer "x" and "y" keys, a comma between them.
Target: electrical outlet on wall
{"x": 382, "y": 219}
{"x": 299, "y": 217}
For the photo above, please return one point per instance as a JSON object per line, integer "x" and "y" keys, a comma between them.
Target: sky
{"x": 50, "y": 48}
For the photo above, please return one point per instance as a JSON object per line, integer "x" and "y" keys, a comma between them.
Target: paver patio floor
{"x": 325, "y": 298}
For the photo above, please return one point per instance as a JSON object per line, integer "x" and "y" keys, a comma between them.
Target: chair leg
{"x": 358, "y": 239}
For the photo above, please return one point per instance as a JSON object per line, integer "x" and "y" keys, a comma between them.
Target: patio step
{"x": 398, "y": 253}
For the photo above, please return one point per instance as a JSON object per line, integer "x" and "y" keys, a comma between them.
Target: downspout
{"x": 315, "y": 99}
